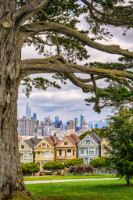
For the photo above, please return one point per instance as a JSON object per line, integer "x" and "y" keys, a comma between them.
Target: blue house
{"x": 89, "y": 147}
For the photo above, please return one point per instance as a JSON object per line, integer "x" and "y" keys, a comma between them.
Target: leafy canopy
{"x": 120, "y": 137}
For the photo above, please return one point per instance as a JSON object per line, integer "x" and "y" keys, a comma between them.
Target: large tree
{"x": 120, "y": 148}
{"x": 52, "y": 23}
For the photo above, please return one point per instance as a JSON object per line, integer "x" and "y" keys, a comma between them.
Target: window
{"x": 26, "y": 156}
{"x": 46, "y": 154}
{"x": 43, "y": 144}
{"x": 87, "y": 141}
{"x": 96, "y": 151}
{"x": 38, "y": 154}
{"x": 65, "y": 143}
{"x": 91, "y": 150}
{"x": 73, "y": 152}
{"x": 60, "y": 152}
{"x": 82, "y": 151}
{"x": 69, "y": 152}
{"x": 22, "y": 146}
{"x": 87, "y": 152}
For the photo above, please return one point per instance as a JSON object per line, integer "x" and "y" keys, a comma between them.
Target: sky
{"x": 68, "y": 102}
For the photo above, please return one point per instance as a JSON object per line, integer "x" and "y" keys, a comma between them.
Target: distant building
{"x": 72, "y": 127}
{"x": 77, "y": 125}
{"x": 82, "y": 119}
{"x": 26, "y": 127}
{"x": 28, "y": 111}
{"x": 34, "y": 116}
{"x": 94, "y": 125}
{"x": 56, "y": 119}
{"x": 83, "y": 129}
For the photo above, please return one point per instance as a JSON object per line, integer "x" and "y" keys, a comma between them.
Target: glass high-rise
{"x": 28, "y": 111}
{"x": 82, "y": 119}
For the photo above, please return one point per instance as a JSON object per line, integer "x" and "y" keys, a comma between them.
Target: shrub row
{"x": 81, "y": 169}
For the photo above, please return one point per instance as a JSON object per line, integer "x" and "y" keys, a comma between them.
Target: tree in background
{"x": 29, "y": 168}
{"x": 63, "y": 45}
{"x": 101, "y": 132}
{"x": 120, "y": 137}
{"x": 53, "y": 166}
{"x": 75, "y": 162}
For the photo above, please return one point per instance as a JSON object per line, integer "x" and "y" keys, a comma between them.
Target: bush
{"x": 100, "y": 163}
{"x": 75, "y": 162}
{"x": 29, "y": 168}
{"x": 81, "y": 169}
{"x": 53, "y": 165}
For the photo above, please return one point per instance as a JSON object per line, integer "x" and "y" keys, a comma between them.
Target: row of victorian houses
{"x": 51, "y": 148}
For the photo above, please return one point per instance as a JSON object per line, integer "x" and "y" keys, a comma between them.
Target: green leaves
{"x": 53, "y": 165}
{"x": 120, "y": 137}
{"x": 39, "y": 83}
{"x": 29, "y": 168}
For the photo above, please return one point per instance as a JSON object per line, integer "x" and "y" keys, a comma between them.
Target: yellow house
{"x": 104, "y": 143}
{"x": 67, "y": 148}
{"x": 44, "y": 150}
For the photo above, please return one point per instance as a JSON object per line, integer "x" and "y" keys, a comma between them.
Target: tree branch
{"x": 30, "y": 7}
{"x": 85, "y": 87}
{"x": 58, "y": 64}
{"x": 50, "y": 26}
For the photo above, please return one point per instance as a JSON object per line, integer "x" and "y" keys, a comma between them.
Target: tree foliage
{"x": 120, "y": 137}
{"x": 53, "y": 28}
{"x": 53, "y": 165}
{"x": 101, "y": 162}
{"x": 75, "y": 162}
{"x": 29, "y": 168}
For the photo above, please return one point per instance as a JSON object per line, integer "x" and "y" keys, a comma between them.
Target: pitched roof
{"x": 52, "y": 140}
{"x": 95, "y": 137}
{"x": 32, "y": 142}
{"x": 74, "y": 139}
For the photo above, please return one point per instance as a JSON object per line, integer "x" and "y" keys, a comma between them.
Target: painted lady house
{"x": 44, "y": 150}
{"x": 89, "y": 147}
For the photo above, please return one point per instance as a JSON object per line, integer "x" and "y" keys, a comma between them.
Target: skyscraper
{"x": 34, "y": 116}
{"x": 56, "y": 119}
{"x": 72, "y": 127}
{"x": 28, "y": 111}
{"x": 77, "y": 125}
{"x": 82, "y": 118}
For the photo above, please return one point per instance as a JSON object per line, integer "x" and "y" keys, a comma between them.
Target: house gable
{"x": 23, "y": 146}
{"x": 43, "y": 144}
{"x": 87, "y": 141}
{"x": 65, "y": 143}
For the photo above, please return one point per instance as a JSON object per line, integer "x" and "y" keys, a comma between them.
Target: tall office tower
{"x": 72, "y": 127}
{"x": 56, "y": 119}
{"x": 26, "y": 127}
{"x": 34, "y": 116}
{"x": 28, "y": 111}
{"x": 82, "y": 119}
{"x": 76, "y": 122}
{"x": 77, "y": 125}
{"x": 46, "y": 119}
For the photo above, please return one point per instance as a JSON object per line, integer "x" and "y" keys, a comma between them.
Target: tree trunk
{"x": 128, "y": 180}
{"x": 10, "y": 171}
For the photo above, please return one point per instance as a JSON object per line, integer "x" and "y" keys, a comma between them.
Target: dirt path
{"x": 67, "y": 180}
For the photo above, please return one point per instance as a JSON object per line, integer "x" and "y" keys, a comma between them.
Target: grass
{"x": 84, "y": 190}
{"x": 49, "y": 177}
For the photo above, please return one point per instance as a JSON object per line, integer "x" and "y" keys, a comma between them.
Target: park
{"x": 68, "y": 34}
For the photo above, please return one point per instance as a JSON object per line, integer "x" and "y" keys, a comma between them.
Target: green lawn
{"x": 84, "y": 190}
{"x": 49, "y": 177}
